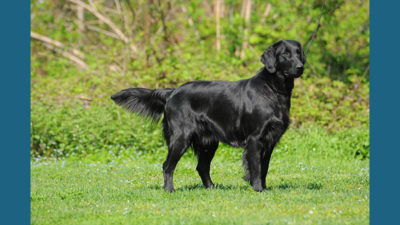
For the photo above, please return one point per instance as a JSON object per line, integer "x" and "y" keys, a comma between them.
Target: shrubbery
{"x": 71, "y": 110}
{"x": 107, "y": 129}
{"x": 74, "y": 129}
{"x": 170, "y": 33}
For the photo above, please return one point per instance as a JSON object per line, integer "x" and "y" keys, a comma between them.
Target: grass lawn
{"x": 309, "y": 182}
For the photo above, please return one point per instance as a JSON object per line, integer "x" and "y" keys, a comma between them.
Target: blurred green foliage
{"x": 73, "y": 129}
{"x": 178, "y": 31}
{"x": 110, "y": 132}
{"x": 176, "y": 42}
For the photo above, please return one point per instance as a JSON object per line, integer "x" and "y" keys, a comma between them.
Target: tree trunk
{"x": 246, "y": 29}
{"x": 218, "y": 28}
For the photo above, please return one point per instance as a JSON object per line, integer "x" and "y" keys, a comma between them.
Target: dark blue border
{"x": 15, "y": 112}
{"x": 385, "y": 111}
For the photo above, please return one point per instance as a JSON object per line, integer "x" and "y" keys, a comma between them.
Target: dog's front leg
{"x": 254, "y": 148}
{"x": 264, "y": 165}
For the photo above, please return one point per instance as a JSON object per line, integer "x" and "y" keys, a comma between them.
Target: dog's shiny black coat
{"x": 252, "y": 114}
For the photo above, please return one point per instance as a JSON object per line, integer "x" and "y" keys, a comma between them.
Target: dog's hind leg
{"x": 205, "y": 154}
{"x": 177, "y": 146}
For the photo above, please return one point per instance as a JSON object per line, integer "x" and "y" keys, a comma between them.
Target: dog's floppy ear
{"x": 302, "y": 55}
{"x": 268, "y": 58}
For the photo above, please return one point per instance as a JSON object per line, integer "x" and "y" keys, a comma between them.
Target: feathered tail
{"x": 146, "y": 102}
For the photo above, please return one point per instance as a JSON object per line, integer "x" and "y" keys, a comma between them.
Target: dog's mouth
{"x": 295, "y": 75}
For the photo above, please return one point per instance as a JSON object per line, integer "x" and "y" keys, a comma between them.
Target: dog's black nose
{"x": 299, "y": 69}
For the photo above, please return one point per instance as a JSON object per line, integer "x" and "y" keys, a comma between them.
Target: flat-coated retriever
{"x": 252, "y": 114}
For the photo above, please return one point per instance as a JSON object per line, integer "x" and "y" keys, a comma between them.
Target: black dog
{"x": 252, "y": 114}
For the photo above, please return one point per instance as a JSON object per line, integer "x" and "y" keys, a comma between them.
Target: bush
{"x": 331, "y": 103}
{"x": 111, "y": 132}
{"x": 340, "y": 49}
{"x": 75, "y": 129}
{"x": 71, "y": 111}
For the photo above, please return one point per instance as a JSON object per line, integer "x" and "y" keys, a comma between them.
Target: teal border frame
{"x": 384, "y": 112}
{"x": 15, "y": 112}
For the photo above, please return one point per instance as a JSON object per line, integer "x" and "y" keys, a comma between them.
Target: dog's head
{"x": 286, "y": 56}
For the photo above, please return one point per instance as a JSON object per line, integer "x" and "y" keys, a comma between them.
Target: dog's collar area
{"x": 262, "y": 73}
{"x": 289, "y": 93}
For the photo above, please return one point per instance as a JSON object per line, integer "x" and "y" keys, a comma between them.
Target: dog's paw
{"x": 210, "y": 186}
{"x": 169, "y": 189}
{"x": 258, "y": 188}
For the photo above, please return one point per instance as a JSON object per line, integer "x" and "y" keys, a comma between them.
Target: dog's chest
{"x": 284, "y": 110}
{"x": 277, "y": 112}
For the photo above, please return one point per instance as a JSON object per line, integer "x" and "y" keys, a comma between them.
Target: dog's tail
{"x": 146, "y": 102}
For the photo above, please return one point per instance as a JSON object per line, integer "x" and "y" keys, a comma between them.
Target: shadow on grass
{"x": 314, "y": 186}
{"x": 229, "y": 187}
{"x": 217, "y": 187}
{"x": 201, "y": 187}
{"x": 284, "y": 186}
{"x": 155, "y": 187}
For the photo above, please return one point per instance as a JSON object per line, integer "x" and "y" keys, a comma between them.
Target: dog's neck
{"x": 278, "y": 82}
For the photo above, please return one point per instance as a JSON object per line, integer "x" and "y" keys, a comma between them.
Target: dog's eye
{"x": 286, "y": 54}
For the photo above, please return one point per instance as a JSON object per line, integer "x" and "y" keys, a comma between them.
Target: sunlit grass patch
{"x": 303, "y": 187}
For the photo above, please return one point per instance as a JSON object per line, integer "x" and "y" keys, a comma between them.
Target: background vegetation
{"x": 82, "y": 51}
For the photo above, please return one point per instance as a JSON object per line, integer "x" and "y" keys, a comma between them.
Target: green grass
{"x": 310, "y": 181}
{"x": 108, "y": 167}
